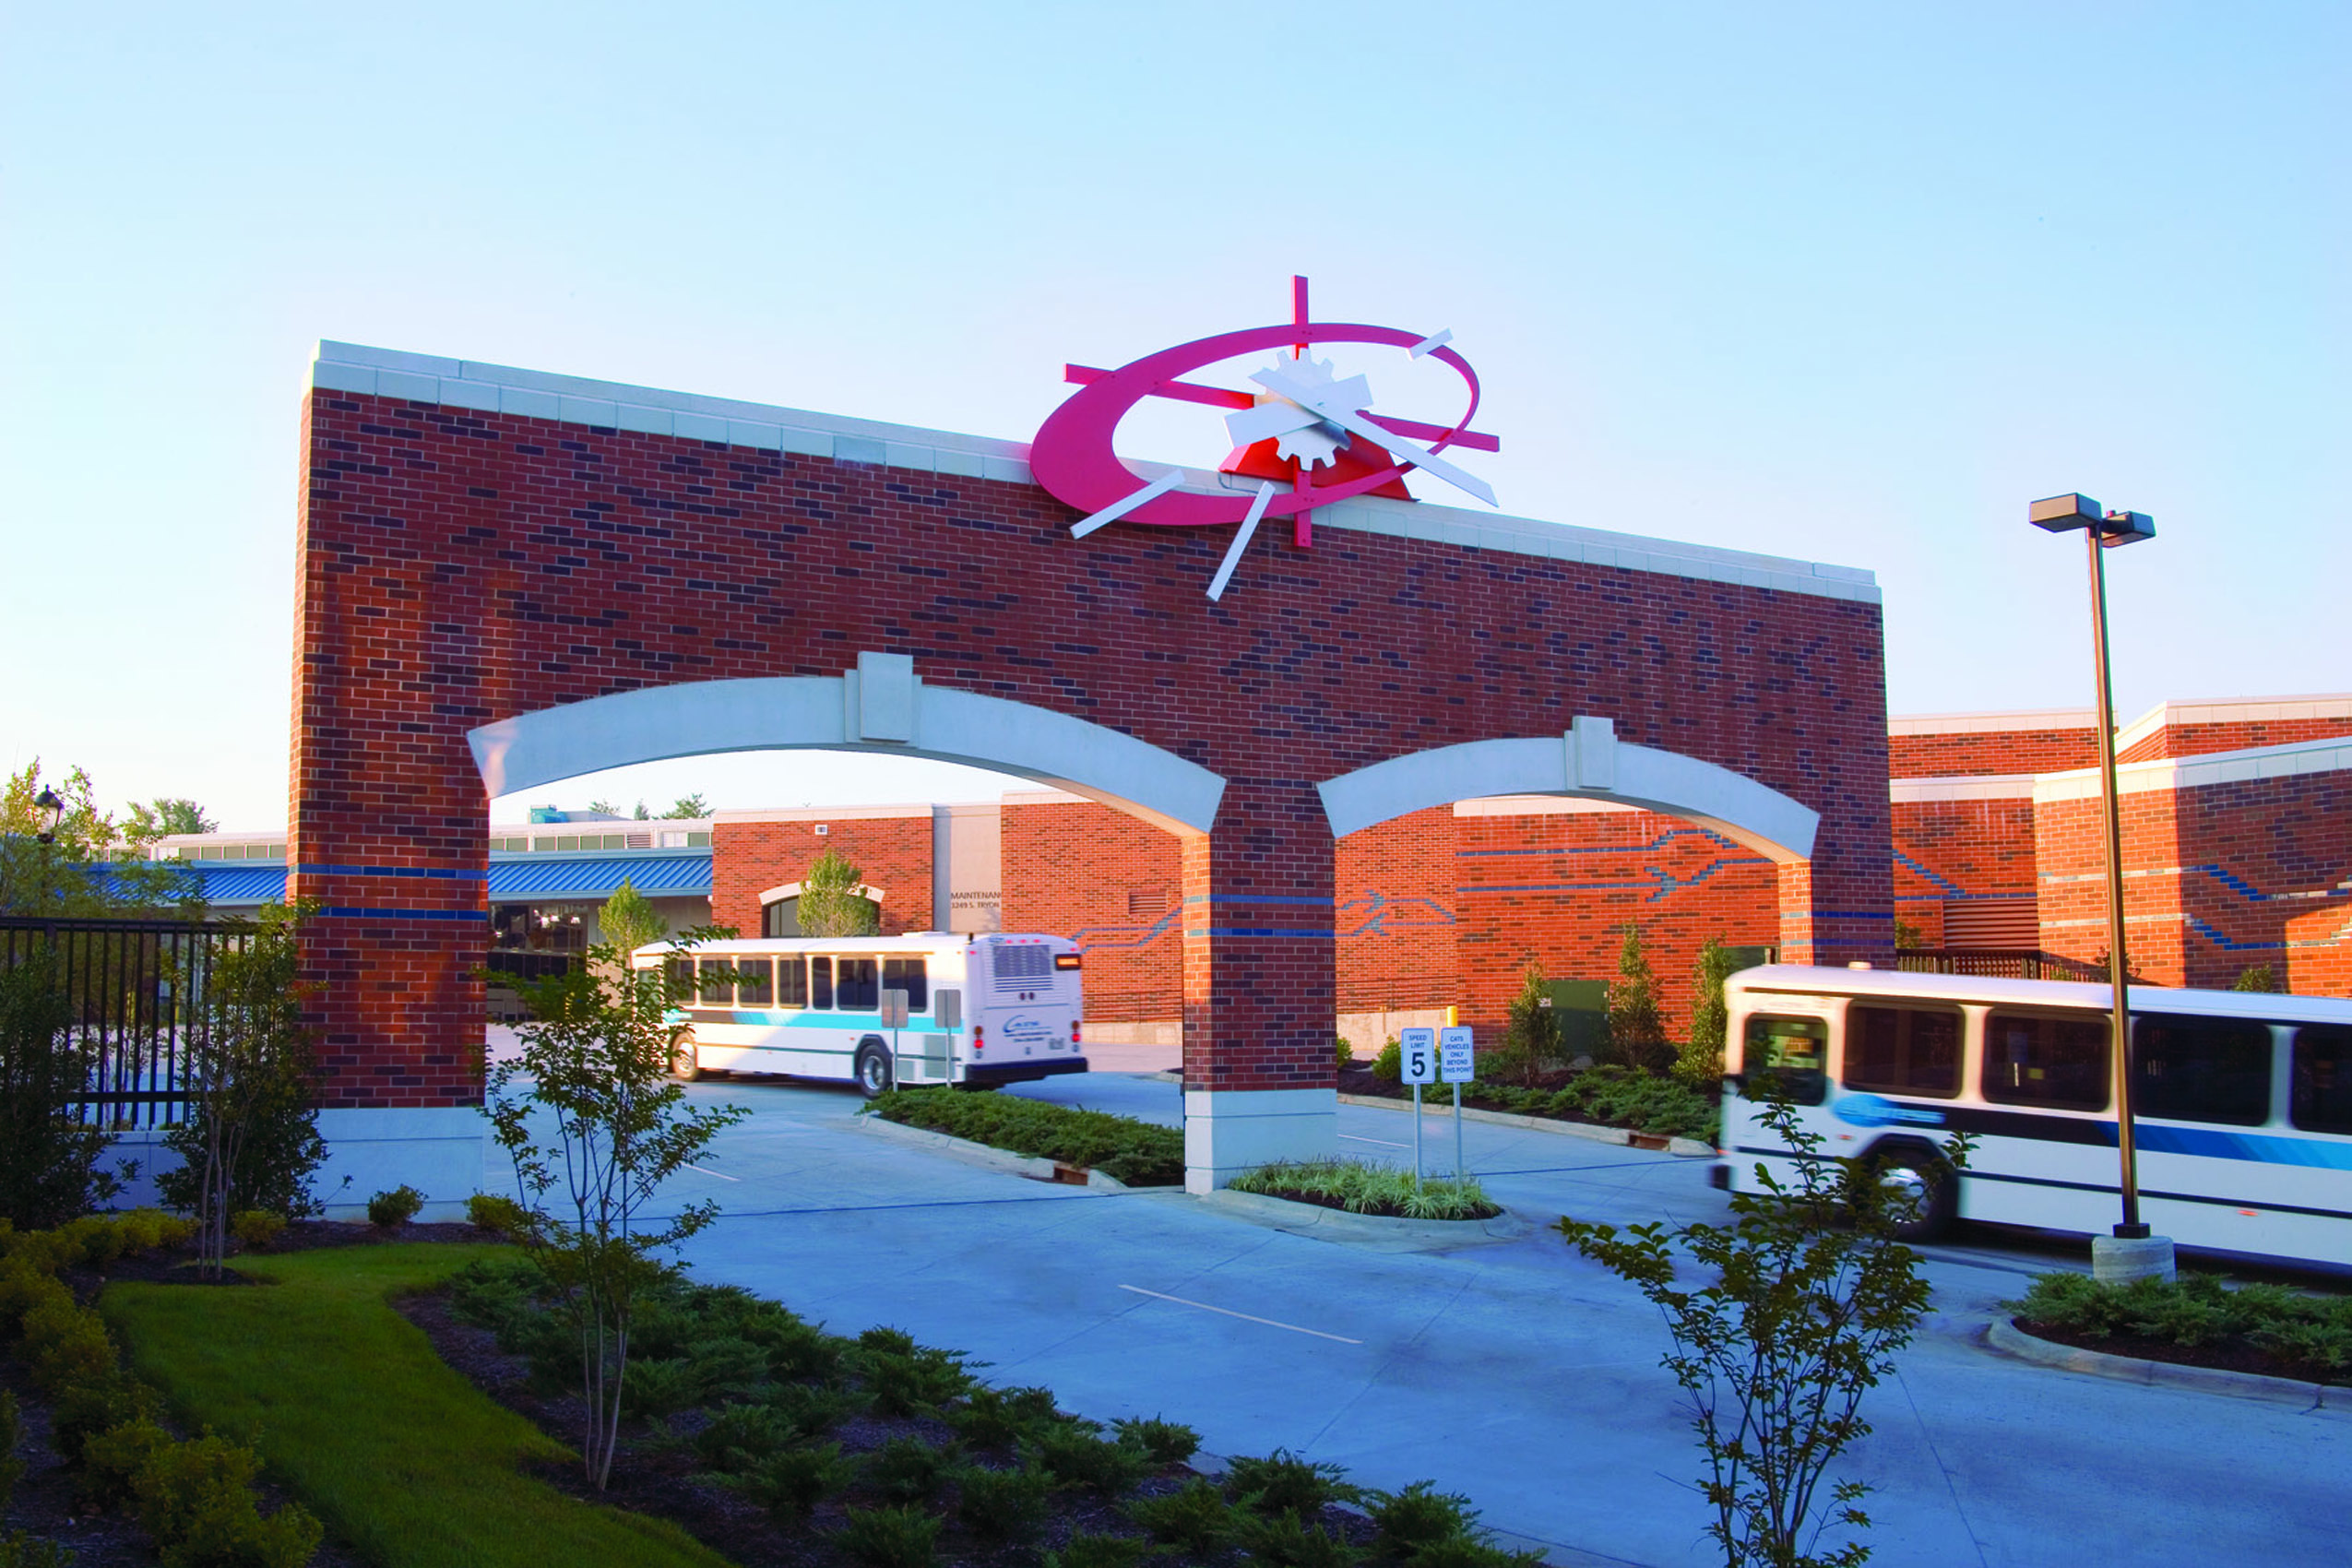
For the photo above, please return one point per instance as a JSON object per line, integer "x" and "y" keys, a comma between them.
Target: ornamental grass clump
{"x": 1365, "y": 1187}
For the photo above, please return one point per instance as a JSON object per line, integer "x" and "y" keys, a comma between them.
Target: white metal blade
{"x": 1241, "y": 537}
{"x": 1119, "y": 510}
{"x": 1308, "y": 397}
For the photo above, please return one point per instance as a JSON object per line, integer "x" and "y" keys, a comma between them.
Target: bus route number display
{"x": 1455, "y": 1056}
{"x": 1418, "y": 1052}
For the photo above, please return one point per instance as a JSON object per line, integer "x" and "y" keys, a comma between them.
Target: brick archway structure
{"x": 479, "y": 543}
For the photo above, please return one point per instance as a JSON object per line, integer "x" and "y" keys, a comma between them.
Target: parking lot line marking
{"x": 720, "y": 1174}
{"x": 1245, "y": 1317}
{"x": 1382, "y": 1141}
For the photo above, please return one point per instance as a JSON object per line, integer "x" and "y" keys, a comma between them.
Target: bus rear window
{"x": 1903, "y": 1051}
{"x": 854, "y": 987}
{"x": 908, "y": 974}
{"x": 1784, "y": 1059}
{"x": 2321, "y": 1099}
{"x": 2201, "y": 1070}
{"x": 2041, "y": 1060}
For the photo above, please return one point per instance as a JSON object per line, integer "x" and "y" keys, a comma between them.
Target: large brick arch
{"x": 478, "y": 544}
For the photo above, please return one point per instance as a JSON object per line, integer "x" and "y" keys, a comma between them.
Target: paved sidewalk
{"x": 1513, "y": 1372}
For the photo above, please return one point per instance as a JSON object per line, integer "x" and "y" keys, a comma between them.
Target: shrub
{"x": 656, "y": 1387}
{"x": 1364, "y": 1187}
{"x": 1461, "y": 1552}
{"x": 1419, "y": 1517}
{"x": 889, "y": 1537}
{"x": 1282, "y": 1481}
{"x": 739, "y": 1436}
{"x": 20, "y": 1550}
{"x": 11, "y": 1467}
{"x": 1075, "y": 1456}
{"x": 1343, "y": 1054}
{"x": 908, "y": 1469}
{"x": 994, "y": 1417}
{"x": 1701, "y": 1061}
{"x": 1531, "y": 1039}
{"x": 1164, "y": 1443}
{"x": 196, "y": 1499}
{"x": 1097, "y": 1551}
{"x": 97, "y": 1237}
{"x": 1141, "y": 1154}
{"x": 907, "y": 1384}
{"x": 1001, "y": 1505}
{"x": 87, "y": 1410}
{"x": 1389, "y": 1066}
{"x": 813, "y": 1411}
{"x": 791, "y": 1483}
{"x": 112, "y": 1460}
{"x": 1196, "y": 1518}
{"x": 257, "y": 1228}
{"x": 1284, "y": 1540}
{"x": 66, "y": 1344}
{"x": 500, "y": 1217}
{"x": 1636, "y": 1029}
{"x": 24, "y": 1284}
{"x": 49, "y": 1157}
{"x": 144, "y": 1229}
{"x": 2197, "y": 1310}
{"x": 389, "y": 1211}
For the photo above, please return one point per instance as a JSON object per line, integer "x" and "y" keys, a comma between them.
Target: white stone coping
{"x": 1992, "y": 723}
{"x": 570, "y": 399}
{"x": 1536, "y": 805}
{"x": 2232, "y": 710}
{"x": 878, "y": 812}
{"x": 2331, "y": 755}
{"x": 1964, "y": 787}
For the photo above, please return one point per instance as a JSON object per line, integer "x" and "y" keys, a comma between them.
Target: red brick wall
{"x": 1957, "y": 849}
{"x": 1964, "y": 753}
{"x": 1562, "y": 889}
{"x": 890, "y": 852}
{"x": 1110, "y": 883}
{"x": 2197, "y": 740}
{"x": 1395, "y": 914}
{"x": 459, "y": 568}
{"x": 2218, "y": 878}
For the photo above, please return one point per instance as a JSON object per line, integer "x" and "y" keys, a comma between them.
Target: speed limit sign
{"x": 1419, "y": 1055}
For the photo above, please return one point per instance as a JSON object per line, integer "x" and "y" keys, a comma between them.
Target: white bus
{"x": 933, "y": 1008}
{"x": 2242, "y": 1102}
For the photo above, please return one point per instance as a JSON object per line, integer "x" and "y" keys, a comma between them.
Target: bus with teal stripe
{"x": 974, "y": 1010}
{"x": 2242, "y": 1101}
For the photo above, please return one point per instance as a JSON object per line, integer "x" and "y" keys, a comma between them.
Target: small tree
{"x": 68, "y": 873}
{"x": 49, "y": 1156}
{"x": 1810, "y": 1298}
{"x": 629, "y": 921}
{"x": 250, "y": 1075}
{"x": 686, "y": 806}
{"x": 1636, "y": 1031}
{"x": 833, "y": 900}
{"x": 2256, "y": 977}
{"x": 1531, "y": 1038}
{"x": 591, "y": 1080}
{"x": 150, "y": 820}
{"x": 1701, "y": 1061}
{"x": 1906, "y": 935}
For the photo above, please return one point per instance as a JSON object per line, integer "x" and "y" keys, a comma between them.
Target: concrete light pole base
{"x": 2118, "y": 1259}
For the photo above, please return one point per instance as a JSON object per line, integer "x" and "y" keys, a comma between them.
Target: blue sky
{"x": 1849, "y": 283}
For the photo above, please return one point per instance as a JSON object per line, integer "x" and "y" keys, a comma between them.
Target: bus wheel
{"x": 1919, "y": 1189}
{"x": 685, "y": 1061}
{"x": 873, "y": 1070}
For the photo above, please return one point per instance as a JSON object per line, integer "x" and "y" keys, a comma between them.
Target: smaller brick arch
{"x": 882, "y": 705}
{"x": 1588, "y": 762}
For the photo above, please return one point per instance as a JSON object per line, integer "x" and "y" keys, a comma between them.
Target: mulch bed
{"x": 2238, "y": 1357}
{"x": 1383, "y": 1211}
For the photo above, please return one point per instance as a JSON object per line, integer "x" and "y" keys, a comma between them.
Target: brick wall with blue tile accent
{"x": 459, "y": 566}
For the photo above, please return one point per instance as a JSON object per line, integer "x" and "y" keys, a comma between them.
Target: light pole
{"x": 47, "y": 801}
{"x": 2131, "y": 1252}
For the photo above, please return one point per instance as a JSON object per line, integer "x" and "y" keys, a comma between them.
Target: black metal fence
{"x": 2002, "y": 963}
{"x": 134, "y": 988}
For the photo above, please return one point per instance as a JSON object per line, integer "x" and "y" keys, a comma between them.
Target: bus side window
{"x": 679, "y": 973}
{"x": 1785, "y": 1056}
{"x": 792, "y": 982}
{"x": 1902, "y": 1050}
{"x": 718, "y": 987}
{"x": 2321, "y": 1099}
{"x": 2201, "y": 1070}
{"x": 754, "y": 983}
{"x": 908, "y": 974}
{"x": 854, "y": 987}
{"x": 2039, "y": 1060}
{"x": 821, "y": 983}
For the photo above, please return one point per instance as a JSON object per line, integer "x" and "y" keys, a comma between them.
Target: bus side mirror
{"x": 948, "y": 1008}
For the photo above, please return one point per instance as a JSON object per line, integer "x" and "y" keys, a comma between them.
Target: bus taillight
{"x": 1073, "y": 1031}
{"x": 979, "y": 1045}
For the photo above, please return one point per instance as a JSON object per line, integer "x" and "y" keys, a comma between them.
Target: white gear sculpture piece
{"x": 1300, "y": 435}
{"x": 1313, "y": 445}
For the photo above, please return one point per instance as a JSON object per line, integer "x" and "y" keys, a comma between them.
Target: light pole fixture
{"x": 2105, "y": 531}
{"x": 47, "y": 801}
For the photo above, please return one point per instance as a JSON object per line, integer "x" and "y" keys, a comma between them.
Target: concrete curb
{"x": 2003, "y": 1334}
{"x": 1370, "y": 1229}
{"x": 1035, "y": 1167}
{"x": 1687, "y": 1148}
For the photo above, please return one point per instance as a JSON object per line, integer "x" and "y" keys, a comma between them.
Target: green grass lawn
{"x": 349, "y": 1405}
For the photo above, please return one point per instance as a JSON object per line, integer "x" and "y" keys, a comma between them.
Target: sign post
{"x": 1456, "y": 1066}
{"x": 1417, "y": 1049}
